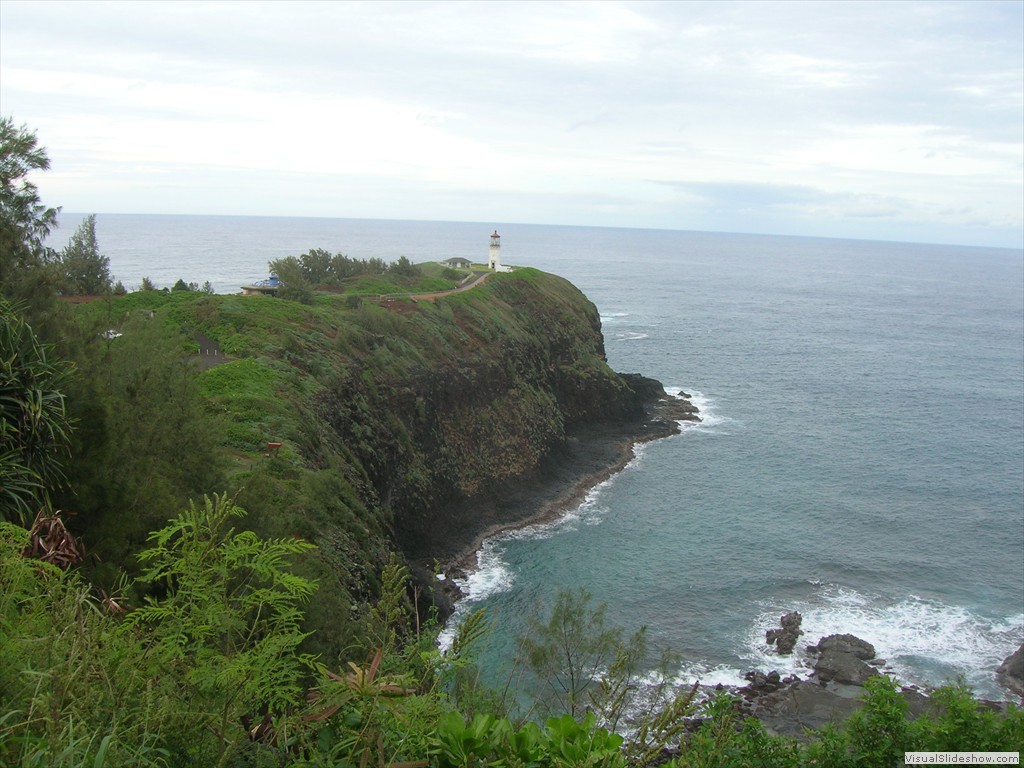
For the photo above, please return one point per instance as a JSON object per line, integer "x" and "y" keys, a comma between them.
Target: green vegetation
{"x": 317, "y": 269}
{"x": 181, "y": 285}
{"x": 571, "y": 649}
{"x": 209, "y": 673}
{"x": 83, "y": 269}
{"x": 35, "y": 432}
{"x": 228, "y": 625}
{"x": 163, "y": 626}
{"x": 380, "y": 413}
{"x": 26, "y": 274}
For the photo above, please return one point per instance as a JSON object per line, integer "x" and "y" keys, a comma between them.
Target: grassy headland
{"x": 400, "y": 422}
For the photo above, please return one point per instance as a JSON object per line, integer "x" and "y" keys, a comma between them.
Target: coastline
{"x": 792, "y": 706}
{"x": 550, "y": 510}
{"x": 593, "y": 456}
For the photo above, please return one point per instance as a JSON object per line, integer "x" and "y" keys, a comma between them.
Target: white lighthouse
{"x": 494, "y": 257}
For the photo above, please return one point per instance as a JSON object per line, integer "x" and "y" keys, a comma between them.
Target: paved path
{"x": 479, "y": 278}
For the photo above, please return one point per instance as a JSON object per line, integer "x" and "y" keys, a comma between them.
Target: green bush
{"x": 228, "y": 625}
{"x": 75, "y": 690}
{"x": 490, "y": 741}
{"x": 35, "y": 428}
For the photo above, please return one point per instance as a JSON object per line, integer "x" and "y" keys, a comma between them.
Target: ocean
{"x": 860, "y": 458}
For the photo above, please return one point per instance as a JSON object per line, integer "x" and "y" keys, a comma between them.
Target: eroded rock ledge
{"x": 590, "y": 455}
{"x": 788, "y": 706}
{"x": 1011, "y": 672}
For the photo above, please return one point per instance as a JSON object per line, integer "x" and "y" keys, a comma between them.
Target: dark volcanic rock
{"x": 784, "y": 639}
{"x": 790, "y": 706}
{"x": 801, "y": 705}
{"x": 762, "y": 684}
{"x": 804, "y": 704}
{"x": 851, "y": 644}
{"x": 677, "y": 409}
{"x": 841, "y": 659}
{"x": 646, "y": 388}
{"x": 661, "y": 405}
{"x": 1011, "y": 672}
{"x": 842, "y": 668}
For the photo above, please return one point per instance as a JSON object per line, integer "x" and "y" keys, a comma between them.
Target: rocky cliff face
{"x": 469, "y": 401}
{"x": 409, "y": 424}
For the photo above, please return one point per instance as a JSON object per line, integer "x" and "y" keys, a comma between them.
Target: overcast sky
{"x": 876, "y": 120}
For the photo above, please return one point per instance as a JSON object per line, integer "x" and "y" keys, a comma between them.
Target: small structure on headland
{"x": 494, "y": 255}
{"x": 268, "y": 287}
{"x": 457, "y": 262}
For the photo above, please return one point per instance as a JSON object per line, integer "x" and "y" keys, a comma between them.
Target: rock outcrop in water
{"x": 789, "y": 706}
{"x": 784, "y": 639}
{"x": 1011, "y": 672}
{"x": 841, "y": 658}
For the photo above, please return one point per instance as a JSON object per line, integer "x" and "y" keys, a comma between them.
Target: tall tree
{"x": 25, "y": 261}
{"x": 151, "y": 443}
{"x": 404, "y": 267}
{"x": 295, "y": 284}
{"x": 85, "y": 271}
{"x": 574, "y": 650}
{"x": 24, "y": 220}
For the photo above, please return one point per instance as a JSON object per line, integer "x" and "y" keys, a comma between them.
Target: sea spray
{"x": 922, "y": 641}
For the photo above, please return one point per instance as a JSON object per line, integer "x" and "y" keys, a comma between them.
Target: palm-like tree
{"x": 35, "y": 430}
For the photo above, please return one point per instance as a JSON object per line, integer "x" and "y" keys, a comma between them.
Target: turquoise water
{"x": 861, "y": 458}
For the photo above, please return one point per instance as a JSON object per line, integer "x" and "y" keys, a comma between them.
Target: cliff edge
{"x": 368, "y": 424}
{"x": 471, "y": 409}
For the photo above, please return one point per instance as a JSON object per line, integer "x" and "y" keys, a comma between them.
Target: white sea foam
{"x": 708, "y": 675}
{"x": 638, "y": 453}
{"x": 651, "y": 692}
{"x": 710, "y": 419}
{"x": 1009, "y": 625}
{"x": 493, "y": 575}
{"x": 924, "y": 642}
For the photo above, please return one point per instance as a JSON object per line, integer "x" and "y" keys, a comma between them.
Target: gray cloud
{"x": 802, "y": 112}
{"x": 747, "y": 195}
